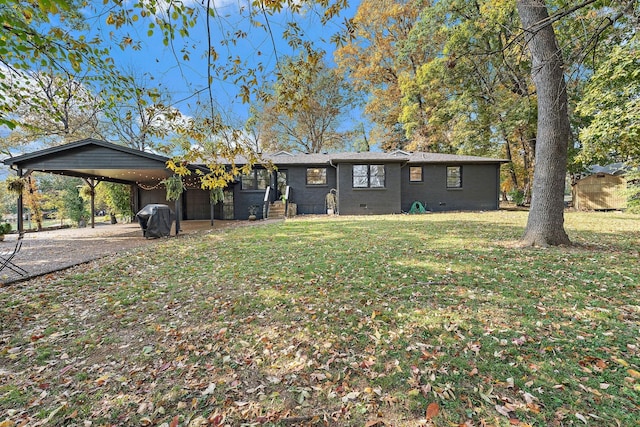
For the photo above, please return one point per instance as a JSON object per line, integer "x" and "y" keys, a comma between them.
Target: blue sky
{"x": 184, "y": 78}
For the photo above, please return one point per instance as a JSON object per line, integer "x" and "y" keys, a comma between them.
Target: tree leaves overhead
{"x": 611, "y": 102}
{"x": 54, "y": 109}
{"x": 303, "y": 110}
{"x": 375, "y": 59}
{"x": 41, "y": 35}
{"x": 454, "y": 76}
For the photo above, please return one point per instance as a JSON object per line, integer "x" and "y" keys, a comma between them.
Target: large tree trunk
{"x": 545, "y": 225}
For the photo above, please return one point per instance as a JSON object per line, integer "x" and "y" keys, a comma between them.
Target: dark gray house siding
{"x": 369, "y": 201}
{"x": 479, "y": 190}
{"x": 146, "y": 197}
{"x": 243, "y": 199}
{"x": 196, "y": 204}
{"x": 310, "y": 199}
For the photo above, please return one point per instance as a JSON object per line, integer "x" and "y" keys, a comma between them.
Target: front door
{"x": 281, "y": 183}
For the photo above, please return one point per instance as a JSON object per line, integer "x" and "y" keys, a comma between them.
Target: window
{"x": 454, "y": 176}
{"x": 257, "y": 179}
{"x": 316, "y": 176}
{"x": 360, "y": 176}
{"x": 415, "y": 174}
{"x": 368, "y": 176}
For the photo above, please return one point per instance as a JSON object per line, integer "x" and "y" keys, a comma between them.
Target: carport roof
{"x": 100, "y": 160}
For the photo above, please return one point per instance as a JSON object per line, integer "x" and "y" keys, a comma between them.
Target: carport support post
{"x": 178, "y": 204}
{"x": 20, "y": 216}
{"x": 92, "y": 185}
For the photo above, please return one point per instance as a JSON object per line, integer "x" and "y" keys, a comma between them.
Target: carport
{"x": 95, "y": 161}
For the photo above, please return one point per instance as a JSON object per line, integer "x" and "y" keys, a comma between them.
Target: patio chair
{"x": 6, "y": 258}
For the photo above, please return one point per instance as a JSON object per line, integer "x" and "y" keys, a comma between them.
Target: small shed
{"x": 600, "y": 191}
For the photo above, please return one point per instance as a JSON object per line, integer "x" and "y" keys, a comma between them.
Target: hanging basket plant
{"x": 216, "y": 195}
{"x": 86, "y": 192}
{"x": 15, "y": 185}
{"x": 174, "y": 186}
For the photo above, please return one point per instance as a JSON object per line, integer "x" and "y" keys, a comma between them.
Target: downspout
{"x": 337, "y": 208}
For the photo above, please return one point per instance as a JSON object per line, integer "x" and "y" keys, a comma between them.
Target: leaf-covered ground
{"x": 351, "y": 321}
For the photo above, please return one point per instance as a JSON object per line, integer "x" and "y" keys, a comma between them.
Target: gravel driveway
{"x": 48, "y": 251}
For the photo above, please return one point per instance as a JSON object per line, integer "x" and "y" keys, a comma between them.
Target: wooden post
{"x": 178, "y": 209}
{"x": 20, "y": 216}
{"x": 92, "y": 185}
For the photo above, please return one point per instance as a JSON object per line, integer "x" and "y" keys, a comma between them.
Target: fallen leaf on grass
{"x": 487, "y": 396}
{"x": 620, "y": 361}
{"x": 351, "y": 396}
{"x": 216, "y": 420}
{"x": 634, "y": 373}
{"x": 55, "y": 412}
{"x": 209, "y": 390}
{"x": 103, "y": 379}
{"x": 503, "y": 411}
{"x": 581, "y": 417}
{"x": 432, "y": 410}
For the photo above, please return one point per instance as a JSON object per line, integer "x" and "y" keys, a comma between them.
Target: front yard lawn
{"x": 350, "y": 321}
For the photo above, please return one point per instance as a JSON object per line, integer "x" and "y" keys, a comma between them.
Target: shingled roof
{"x": 286, "y": 158}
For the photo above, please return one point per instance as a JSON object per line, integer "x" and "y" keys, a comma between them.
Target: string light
{"x": 149, "y": 188}
{"x": 145, "y": 181}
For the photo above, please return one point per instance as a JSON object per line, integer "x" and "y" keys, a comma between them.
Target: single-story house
{"x": 361, "y": 183}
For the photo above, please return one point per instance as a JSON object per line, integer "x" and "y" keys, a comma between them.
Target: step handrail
{"x": 265, "y": 203}
{"x": 287, "y": 195}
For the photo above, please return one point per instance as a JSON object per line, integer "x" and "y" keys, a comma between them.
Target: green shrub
{"x": 517, "y": 196}
{"x": 5, "y": 228}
